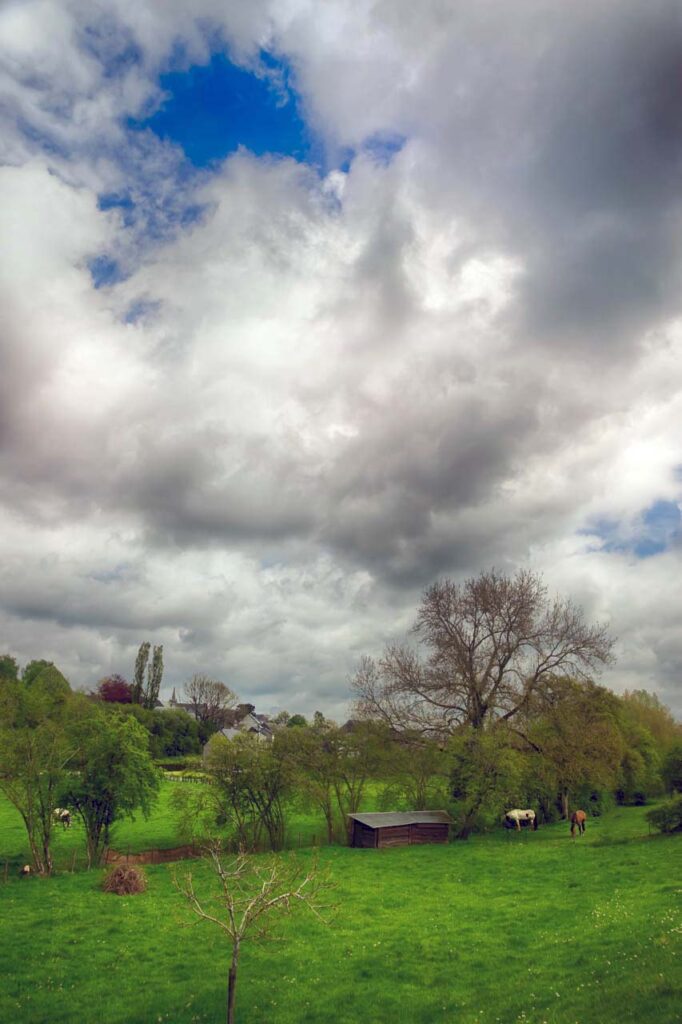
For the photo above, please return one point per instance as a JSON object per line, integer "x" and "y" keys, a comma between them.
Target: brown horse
{"x": 578, "y": 819}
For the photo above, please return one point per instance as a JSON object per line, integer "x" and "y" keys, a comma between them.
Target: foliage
{"x": 577, "y": 740}
{"x": 172, "y": 732}
{"x": 490, "y": 646}
{"x": 125, "y": 880}
{"x": 672, "y": 769}
{"x": 486, "y": 776}
{"x": 250, "y": 783}
{"x": 139, "y": 674}
{"x": 649, "y": 712}
{"x": 115, "y": 690}
{"x": 296, "y": 720}
{"x": 9, "y": 669}
{"x": 667, "y": 817}
{"x": 34, "y": 754}
{"x": 154, "y": 676}
{"x": 416, "y": 769}
{"x": 115, "y": 775}
{"x": 46, "y": 677}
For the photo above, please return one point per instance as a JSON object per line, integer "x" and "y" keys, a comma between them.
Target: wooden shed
{"x": 398, "y": 828}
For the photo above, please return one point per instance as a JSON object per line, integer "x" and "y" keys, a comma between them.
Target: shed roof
{"x": 390, "y": 818}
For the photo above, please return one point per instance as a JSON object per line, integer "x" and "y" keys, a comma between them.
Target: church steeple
{"x": 173, "y": 700}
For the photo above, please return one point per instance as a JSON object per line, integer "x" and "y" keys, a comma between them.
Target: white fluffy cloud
{"x": 322, "y": 391}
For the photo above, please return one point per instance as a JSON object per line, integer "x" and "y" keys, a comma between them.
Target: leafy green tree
{"x": 311, "y": 760}
{"x": 154, "y": 676}
{"x": 9, "y": 670}
{"x": 578, "y": 741}
{"x": 171, "y": 732}
{"x": 357, "y": 755}
{"x": 672, "y": 769}
{"x": 652, "y": 714}
{"x": 297, "y": 720}
{"x": 250, "y": 784}
{"x": 35, "y": 752}
{"x": 139, "y": 674}
{"x": 415, "y": 768}
{"x": 46, "y": 677}
{"x": 486, "y": 775}
{"x": 115, "y": 776}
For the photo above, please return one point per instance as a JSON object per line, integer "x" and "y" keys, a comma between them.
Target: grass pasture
{"x": 534, "y": 927}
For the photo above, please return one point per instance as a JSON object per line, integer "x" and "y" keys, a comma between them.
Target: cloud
{"x": 306, "y": 392}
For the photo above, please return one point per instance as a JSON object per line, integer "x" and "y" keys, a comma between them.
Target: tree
{"x": 115, "y": 690}
{"x": 9, "y": 670}
{"x": 489, "y": 646}
{"x": 154, "y": 676}
{"x": 672, "y": 769}
{"x": 250, "y": 783}
{"x": 249, "y": 892}
{"x": 650, "y": 712}
{"x": 46, "y": 677}
{"x": 210, "y": 699}
{"x": 357, "y": 755}
{"x": 115, "y": 775}
{"x": 312, "y": 761}
{"x": 281, "y": 719}
{"x": 140, "y": 668}
{"x": 578, "y": 741}
{"x": 416, "y": 767}
{"x": 297, "y": 721}
{"x": 486, "y": 774}
{"x": 35, "y": 752}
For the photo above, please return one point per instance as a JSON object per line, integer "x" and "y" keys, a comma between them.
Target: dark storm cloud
{"x": 562, "y": 127}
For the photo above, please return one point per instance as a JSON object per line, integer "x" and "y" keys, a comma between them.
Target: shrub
{"x": 125, "y": 880}
{"x": 667, "y": 817}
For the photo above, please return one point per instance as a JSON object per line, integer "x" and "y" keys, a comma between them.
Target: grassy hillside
{"x": 534, "y": 927}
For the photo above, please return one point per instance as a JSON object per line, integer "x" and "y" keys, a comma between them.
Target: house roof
{"x": 384, "y": 818}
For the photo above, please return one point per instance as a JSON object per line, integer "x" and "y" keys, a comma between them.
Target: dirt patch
{"x": 153, "y": 856}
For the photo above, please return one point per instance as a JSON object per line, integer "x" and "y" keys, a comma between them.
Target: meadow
{"x": 536, "y": 927}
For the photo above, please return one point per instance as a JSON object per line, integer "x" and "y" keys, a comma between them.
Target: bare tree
{"x": 490, "y": 644}
{"x": 247, "y": 894}
{"x": 210, "y": 699}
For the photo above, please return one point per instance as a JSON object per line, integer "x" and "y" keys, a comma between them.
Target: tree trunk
{"x": 564, "y": 804}
{"x": 232, "y": 984}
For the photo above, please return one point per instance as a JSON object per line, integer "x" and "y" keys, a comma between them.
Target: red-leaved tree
{"x": 115, "y": 690}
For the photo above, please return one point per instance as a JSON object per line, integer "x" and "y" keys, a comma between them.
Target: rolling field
{"x": 534, "y": 927}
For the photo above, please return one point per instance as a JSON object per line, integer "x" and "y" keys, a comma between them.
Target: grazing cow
{"x": 578, "y": 819}
{"x": 516, "y": 818}
{"x": 25, "y": 871}
{"x": 63, "y": 815}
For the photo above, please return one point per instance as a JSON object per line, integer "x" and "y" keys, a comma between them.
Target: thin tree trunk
{"x": 232, "y": 984}
{"x": 564, "y": 804}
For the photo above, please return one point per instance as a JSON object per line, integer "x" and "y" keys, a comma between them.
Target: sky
{"x": 305, "y": 306}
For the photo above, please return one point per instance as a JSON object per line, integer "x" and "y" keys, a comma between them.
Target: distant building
{"x": 237, "y": 720}
{"x": 243, "y": 719}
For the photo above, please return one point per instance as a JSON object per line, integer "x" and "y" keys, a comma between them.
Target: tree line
{"x": 491, "y": 702}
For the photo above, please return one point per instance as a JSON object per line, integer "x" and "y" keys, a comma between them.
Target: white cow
{"x": 517, "y": 817}
{"x": 63, "y": 815}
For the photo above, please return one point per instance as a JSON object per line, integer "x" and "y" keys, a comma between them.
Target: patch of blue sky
{"x": 656, "y": 529}
{"x": 105, "y": 271}
{"x": 381, "y": 148}
{"x": 213, "y": 109}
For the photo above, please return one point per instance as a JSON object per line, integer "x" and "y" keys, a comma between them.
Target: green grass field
{"x": 534, "y": 927}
